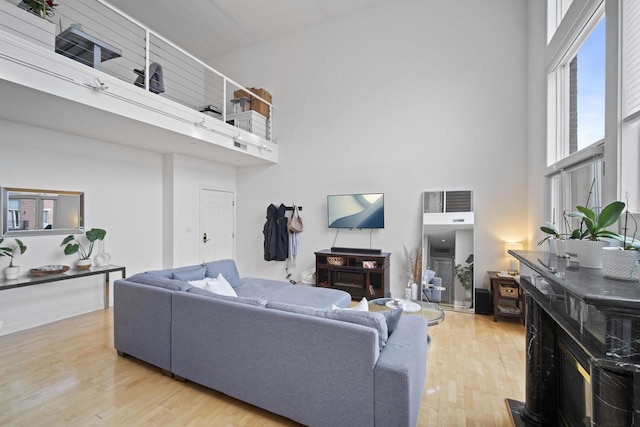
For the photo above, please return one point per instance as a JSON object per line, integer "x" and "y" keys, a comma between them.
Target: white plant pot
{"x": 560, "y": 249}
{"x": 83, "y": 264}
{"x": 590, "y": 253}
{"x": 11, "y": 273}
{"x": 553, "y": 244}
{"x": 620, "y": 264}
{"x": 571, "y": 249}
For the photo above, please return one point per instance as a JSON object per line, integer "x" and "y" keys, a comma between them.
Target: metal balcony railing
{"x": 98, "y": 35}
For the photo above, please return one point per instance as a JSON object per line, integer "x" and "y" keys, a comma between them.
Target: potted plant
{"x": 553, "y": 237}
{"x": 464, "y": 274}
{"x": 12, "y": 271}
{"x": 41, "y": 8}
{"x": 622, "y": 262}
{"x": 73, "y": 246}
{"x": 595, "y": 228}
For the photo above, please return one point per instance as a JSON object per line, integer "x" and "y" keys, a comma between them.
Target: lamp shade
{"x": 511, "y": 246}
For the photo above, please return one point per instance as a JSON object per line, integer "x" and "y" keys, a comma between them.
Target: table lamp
{"x": 513, "y": 263}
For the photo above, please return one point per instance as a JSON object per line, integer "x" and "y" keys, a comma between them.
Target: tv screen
{"x": 356, "y": 210}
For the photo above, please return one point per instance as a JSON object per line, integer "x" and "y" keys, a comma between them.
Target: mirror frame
{"x": 452, "y": 219}
{"x": 4, "y": 206}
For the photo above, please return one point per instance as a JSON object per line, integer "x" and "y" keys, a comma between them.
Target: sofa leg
{"x": 179, "y": 378}
{"x": 121, "y": 353}
{"x": 166, "y": 373}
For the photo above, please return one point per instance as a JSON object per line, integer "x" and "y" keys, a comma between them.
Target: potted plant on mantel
{"x": 73, "y": 246}
{"x": 590, "y": 246}
{"x": 622, "y": 262}
{"x": 12, "y": 271}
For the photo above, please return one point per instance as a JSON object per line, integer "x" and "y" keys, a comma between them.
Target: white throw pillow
{"x": 363, "y": 305}
{"x": 202, "y": 284}
{"x": 220, "y": 286}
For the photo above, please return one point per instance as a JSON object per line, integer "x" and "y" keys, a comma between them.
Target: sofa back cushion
{"x": 159, "y": 281}
{"x": 225, "y": 266}
{"x": 168, "y": 273}
{"x": 189, "y": 275}
{"x": 373, "y": 320}
{"x": 250, "y": 301}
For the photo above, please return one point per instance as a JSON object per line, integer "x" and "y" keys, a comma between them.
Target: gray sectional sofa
{"x": 277, "y": 346}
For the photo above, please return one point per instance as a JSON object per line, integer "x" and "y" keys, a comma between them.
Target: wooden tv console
{"x": 359, "y": 273}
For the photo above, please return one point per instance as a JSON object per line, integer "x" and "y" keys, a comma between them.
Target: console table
{"x": 360, "y": 274}
{"x": 32, "y": 280}
{"x": 582, "y": 344}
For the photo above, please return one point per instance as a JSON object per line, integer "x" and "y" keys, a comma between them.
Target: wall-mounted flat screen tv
{"x": 356, "y": 210}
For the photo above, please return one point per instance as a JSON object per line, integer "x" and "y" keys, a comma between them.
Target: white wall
{"x": 537, "y": 119}
{"x": 190, "y": 176}
{"x": 124, "y": 194}
{"x": 407, "y": 96}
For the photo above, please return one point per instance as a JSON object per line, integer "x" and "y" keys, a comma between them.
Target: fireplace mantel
{"x": 576, "y": 317}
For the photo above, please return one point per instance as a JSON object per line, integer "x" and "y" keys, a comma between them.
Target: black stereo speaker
{"x": 483, "y": 301}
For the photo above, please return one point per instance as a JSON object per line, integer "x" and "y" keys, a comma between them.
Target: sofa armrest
{"x": 400, "y": 373}
{"x": 142, "y": 322}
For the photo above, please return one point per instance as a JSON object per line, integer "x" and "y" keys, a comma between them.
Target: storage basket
{"x": 508, "y": 291}
{"x": 335, "y": 260}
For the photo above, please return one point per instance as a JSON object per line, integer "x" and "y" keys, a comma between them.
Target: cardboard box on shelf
{"x": 256, "y": 104}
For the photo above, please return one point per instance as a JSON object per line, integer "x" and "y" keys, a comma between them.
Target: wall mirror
{"x": 30, "y": 212}
{"x": 447, "y": 242}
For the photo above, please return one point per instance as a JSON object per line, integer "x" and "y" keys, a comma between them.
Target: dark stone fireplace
{"x": 583, "y": 345}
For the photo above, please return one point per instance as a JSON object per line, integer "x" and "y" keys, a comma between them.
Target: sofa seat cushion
{"x": 321, "y": 298}
{"x": 159, "y": 281}
{"x": 226, "y": 267}
{"x": 369, "y": 319}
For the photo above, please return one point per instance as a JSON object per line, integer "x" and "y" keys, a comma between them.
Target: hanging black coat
{"x": 276, "y": 236}
{"x": 283, "y": 234}
{"x": 270, "y": 232}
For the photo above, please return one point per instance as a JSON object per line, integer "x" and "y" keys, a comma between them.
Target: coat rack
{"x": 290, "y": 208}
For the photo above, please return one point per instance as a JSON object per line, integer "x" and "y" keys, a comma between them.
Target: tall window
{"x": 588, "y": 67}
{"x": 577, "y": 93}
{"x": 576, "y": 57}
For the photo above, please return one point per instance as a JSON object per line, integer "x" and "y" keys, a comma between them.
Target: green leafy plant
{"x": 551, "y": 230}
{"x": 463, "y": 273}
{"x": 42, "y": 8}
{"x": 596, "y": 224}
{"x": 10, "y": 251}
{"x": 73, "y": 245}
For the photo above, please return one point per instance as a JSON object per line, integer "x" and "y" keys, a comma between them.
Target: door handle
{"x": 204, "y": 238}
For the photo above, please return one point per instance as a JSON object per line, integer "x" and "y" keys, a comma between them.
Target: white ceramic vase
{"x": 11, "y": 273}
{"x": 83, "y": 264}
{"x": 620, "y": 264}
{"x": 571, "y": 249}
{"x": 590, "y": 253}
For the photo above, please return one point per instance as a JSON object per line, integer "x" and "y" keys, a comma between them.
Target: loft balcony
{"x": 91, "y": 70}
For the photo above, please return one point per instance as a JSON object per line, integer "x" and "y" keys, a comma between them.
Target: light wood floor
{"x": 67, "y": 373}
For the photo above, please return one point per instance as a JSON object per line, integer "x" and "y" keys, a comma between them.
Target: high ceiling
{"x": 211, "y": 28}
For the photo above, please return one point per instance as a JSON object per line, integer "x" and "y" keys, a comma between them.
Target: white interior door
{"x": 216, "y": 224}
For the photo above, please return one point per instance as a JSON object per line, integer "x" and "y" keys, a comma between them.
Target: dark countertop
{"x": 588, "y": 284}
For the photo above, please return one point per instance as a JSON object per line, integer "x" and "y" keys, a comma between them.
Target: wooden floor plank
{"x": 67, "y": 373}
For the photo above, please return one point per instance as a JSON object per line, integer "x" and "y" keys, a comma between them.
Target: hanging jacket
{"x": 283, "y": 234}
{"x": 270, "y": 232}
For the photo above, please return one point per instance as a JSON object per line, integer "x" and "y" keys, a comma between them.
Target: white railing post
{"x": 147, "y": 55}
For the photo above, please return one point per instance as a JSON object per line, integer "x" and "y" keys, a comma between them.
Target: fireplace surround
{"x": 583, "y": 344}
